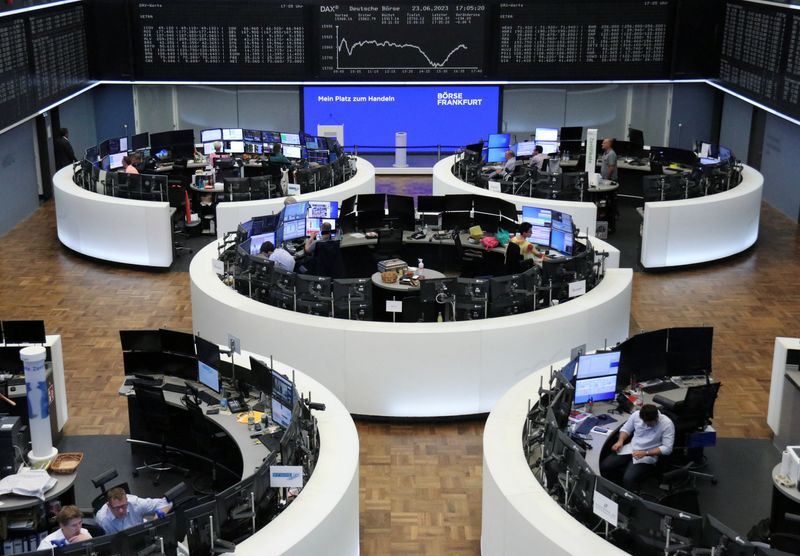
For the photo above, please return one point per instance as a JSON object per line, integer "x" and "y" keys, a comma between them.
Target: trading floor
{"x": 420, "y": 482}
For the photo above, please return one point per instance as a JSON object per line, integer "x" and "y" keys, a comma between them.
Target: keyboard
{"x": 661, "y": 387}
{"x": 208, "y": 397}
{"x": 171, "y": 387}
{"x": 585, "y": 426}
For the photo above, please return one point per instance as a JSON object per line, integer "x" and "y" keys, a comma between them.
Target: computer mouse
{"x": 604, "y": 417}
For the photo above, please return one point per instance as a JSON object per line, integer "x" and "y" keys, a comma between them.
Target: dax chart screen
{"x": 407, "y": 41}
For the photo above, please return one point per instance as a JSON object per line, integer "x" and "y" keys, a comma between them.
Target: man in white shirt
{"x": 123, "y": 510}
{"x": 280, "y": 256}
{"x": 70, "y": 530}
{"x": 538, "y": 157}
{"x": 506, "y": 169}
{"x": 653, "y": 436}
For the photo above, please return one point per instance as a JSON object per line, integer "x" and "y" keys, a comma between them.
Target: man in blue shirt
{"x": 126, "y": 510}
{"x": 653, "y": 436}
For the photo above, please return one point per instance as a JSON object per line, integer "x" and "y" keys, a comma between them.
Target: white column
{"x": 38, "y": 404}
{"x": 400, "y": 143}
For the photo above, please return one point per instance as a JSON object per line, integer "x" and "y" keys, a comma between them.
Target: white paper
{"x": 605, "y": 508}
{"x": 218, "y": 266}
{"x": 577, "y": 288}
{"x": 494, "y": 186}
{"x": 293, "y": 189}
{"x": 626, "y": 450}
{"x": 394, "y": 306}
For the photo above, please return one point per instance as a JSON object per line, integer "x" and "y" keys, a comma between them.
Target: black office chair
{"x": 515, "y": 263}
{"x": 390, "y": 244}
{"x": 691, "y": 415}
{"x": 176, "y": 192}
{"x": 327, "y": 260}
{"x": 207, "y": 440}
{"x": 154, "y": 411}
{"x": 472, "y": 260}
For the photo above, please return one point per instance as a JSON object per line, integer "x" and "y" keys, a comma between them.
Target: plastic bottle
{"x": 420, "y": 266}
{"x": 589, "y": 405}
{"x": 639, "y": 397}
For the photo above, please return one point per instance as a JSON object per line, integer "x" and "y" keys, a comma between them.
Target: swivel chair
{"x": 470, "y": 259}
{"x": 327, "y": 260}
{"x": 176, "y": 192}
{"x": 690, "y": 416}
{"x": 154, "y": 412}
{"x": 514, "y": 262}
{"x": 390, "y": 243}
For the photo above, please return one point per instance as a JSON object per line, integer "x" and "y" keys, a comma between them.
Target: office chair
{"x": 514, "y": 262}
{"x": 787, "y": 542}
{"x": 100, "y": 481}
{"x": 327, "y": 260}
{"x": 207, "y": 438}
{"x": 691, "y": 415}
{"x": 154, "y": 412}
{"x": 390, "y": 244}
{"x": 176, "y": 193}
{"x": 471, "y": 259}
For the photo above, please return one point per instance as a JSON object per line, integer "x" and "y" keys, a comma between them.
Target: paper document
{"x": 626, "y": 450}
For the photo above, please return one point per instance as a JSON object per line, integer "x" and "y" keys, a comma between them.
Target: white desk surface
{"x": 398, "y": 287}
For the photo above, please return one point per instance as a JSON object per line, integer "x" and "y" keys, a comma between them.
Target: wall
{"x": 113, "y": 110}
{"x": 779, "y": 166}
{"x": 737, "y": 115}
{"x": 18, "y": 179}
{"x": 649, "y": 112}
{"x": 78, "y": 115}
{"x": 693, "y": 107}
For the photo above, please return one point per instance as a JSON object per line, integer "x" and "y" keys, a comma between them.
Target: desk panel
{"x": 231, "y": 214}
{"x": 413, "y": 369}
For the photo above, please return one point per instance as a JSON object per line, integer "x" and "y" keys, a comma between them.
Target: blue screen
{"x": 561, "y": 241}
{"x": 442, "y": 115}
{"x": 537, "y": 216}
{"x": 597, "y": 389}
{"x": 598, "y": 364}
{"x": 294, "y": 229}
{"x": 295, "y": 211}
{"x": 208, "y": 375}
{"x": 499, "y": 140}
{"x": 496, "y": 155}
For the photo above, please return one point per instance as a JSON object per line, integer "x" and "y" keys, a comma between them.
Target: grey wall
{"x": 734, "y": 133}
{"x": 78, "y": 116}
{"x": 649, "y": 112}
{"x": 18, "y": 179}
{"x": 693, "y": 107}
{"x": 779, "y": 166}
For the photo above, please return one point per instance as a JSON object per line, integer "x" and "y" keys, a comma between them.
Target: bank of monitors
{"x": 152, "y": 537}
{"x": 208, "y": 364}
{"x": 235, "y": 511}
{"x": 597, "y": 377}
{"x": 401, "y": 211}
{"x": 282, "y": 399}
{"x": 510, "y": 295}
{"x": 643, "y": 357}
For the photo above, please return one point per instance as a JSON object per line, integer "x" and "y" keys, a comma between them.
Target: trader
{"x": 70, "y": 529}
{"x": 608, "y": 162}
{"x": 280, "y": 256}
{"x": 216, "y": 154}
{"x": 506, "y": 169}
{"x": 324, "y": 235}
{"x": 123, "y": 510}
{"x": 538, "y": 158}
{"x": 653, "y": 436}
{"x": 62, "y": 149}
{"x": 527, "y": 249}
{"x": 277, "y": 156}
{"x": 128, "y": 166}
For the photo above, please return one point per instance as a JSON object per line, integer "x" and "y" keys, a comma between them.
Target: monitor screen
{"x": 295, "y": 211}
{"x": 499, "y": 141}
{"x": 323, "y": 209}
{"x": 210, "y": 135}
{"x": 115, "y": 160}
{"x": 596, "y": 389}
{"x": 281, "y": 415}
{"x": 568, "y": 370}
{"x": 256, "y": 241}
{"x": 209, "y": 376}
{"x": 118, "y": 145}
{"x": 140, "y": 141}
{"x": 232, "y": 135}
{"x": 208, "y": 148}
{"x": 561, "y": 241}
{"x": 290, "y": 138}
{"x": 282, "y": 389}
{"x": 571, "y": 133}
{"x": 311, "y": 143}
{"x": 547, "y": 147}
{"x": 562, "y": 221}
{"x": 207, "y": 352}
{"x": 537, "y": 216}
{"x": 235, "y": 147}
{"x": 315, "y": 224}
{"x": 525, "y": 148}
{"x": 293, "y": 151}
{"x": 496, "y": 155}
{"x": 130, "y": 340}
{"x": 24, "y": 331}
{"x": 430, "y": 203}
{"x": 294, "y": 229}
{"x": 252, "y": 135}
{"x": 636, "y": 136}
{"x": 598, "y": 364}
{"x": 540, "y": 235}
{"x": 546, "y": 134}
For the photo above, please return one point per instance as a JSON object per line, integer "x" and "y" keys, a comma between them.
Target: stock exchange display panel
{"x": 584, "y": 39}
{"x": 402, "y": 40}
{"x": 229, "y": 40}
{"x": 16, "y": 82}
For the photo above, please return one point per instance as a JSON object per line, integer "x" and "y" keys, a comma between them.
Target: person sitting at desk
{"x": 608, "y": 162}
{"x": 527, "y": 249}
{"x": 538, "y": 157}
{"x": 127, "y": 165}
{"x": 653, "y": 436}
{"x": 325, "y": 232}
{"x": 70, "y": 529}
{"x": 506, "y": 169}
{"x": 280, "y": 256}
{"x": 277, "y": 156}
{"x": 122, "y": 511}
{"x": 216, "y": 154}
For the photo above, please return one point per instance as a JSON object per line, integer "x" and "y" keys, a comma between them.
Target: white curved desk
{"x": 584, "y": 215}
{"x": 231, "y": 214}
{"x": 517, "y": 512}
{"x": 702, "y": 229}
{"x": 412, "y": 369}
{"x": 323, "y": 519}
{"x": 109, "y": 228}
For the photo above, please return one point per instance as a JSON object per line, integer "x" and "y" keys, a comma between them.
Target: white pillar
{"x": 400, "y": 144}
{"x": 38, "y": 404}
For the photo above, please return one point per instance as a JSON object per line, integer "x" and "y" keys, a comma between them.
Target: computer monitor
{"x": 252, "y": 135}
{"x": 200, "y": 525}
{"x": 473, "y": 288}
{"x": 118, "y": 145}
{"x": 499, "y": 141}
{"x": 322, "y": 209}
{"x": 689, "y": 350}
{"x": 312, "y": 287}
{"x": 257, "y": 241}
{"x": 561, "y": 404}
{"x": 92, "y": 153}
{"x": 598, "y": 364}
{"x": 430, "y": 204}
{"x": 208, "y": 364}
{"x": 369, "y": 202}
{"x": 230, "y": 134}
{"x": 294, "y": 229}
{"x": 724, "y": 540}
{"x": 262, "y": 374}
{"x": 283, "y": 280}
{"x": 401, "y": 211}
{"x": 561, "y": 241}
{"x": 236, "y": 185}
{"x": 293, "y": 152}
{"x": 574, "y": 133}
{"x": 650, "y": 525}
{"x": 295, "y": 211}
{"x": 596, "y": 389}
{"x": 636, "y": 136}
{"x": 132, "y": 340}
{"x": 546, "y": 134}
{"x": 315, "y": 224}
{"x": 235, "y": 147}
{"x": 235, "y": 509}
{"x": 510, "y": 285}
{"x": 568, "y": 370}
{"x": 290, "y": 138}
{"x": 103, "y": 148}
{"x": 174, "y": 341}
{"x": 627, "y": 502}
{"x": 643, "y": 357}
{"x": 436, "y": 290}
{"x": 458, "y": 203}
{"x": 537, "y": 216}
{"x": 105, "y": 545}
{"x": 211, "y": 135}
{"x": 495, "y": 155}
{"x": 149, "y": 537}
{"x": 115, "y": 160}
{"x": 24, "y": 331}
{"x": 525, "y": 148}
{"x": 140, "y": 141}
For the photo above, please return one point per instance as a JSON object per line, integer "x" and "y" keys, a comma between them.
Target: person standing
{"x": 608, "y": 163}
{"x": 62, "y": 149}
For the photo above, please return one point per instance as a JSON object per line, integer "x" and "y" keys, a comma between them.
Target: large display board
{"x": 43, "y": 58}
{"x": 222, "y": 40}
{"x": 417, "y": 40}
{"x": 629, "y": 39}
{"x": 760, "y": 53}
